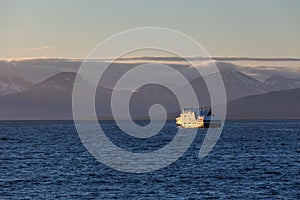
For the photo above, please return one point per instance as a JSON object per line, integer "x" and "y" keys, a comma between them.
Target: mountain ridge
{"x": 52, "y": 99}
{"x": 283, "y": 104}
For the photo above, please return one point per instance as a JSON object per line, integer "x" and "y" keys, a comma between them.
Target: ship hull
{"x": 212, "y": 124}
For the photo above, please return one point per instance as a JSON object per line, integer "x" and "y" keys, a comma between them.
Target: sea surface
{"x": 251, "y": 160}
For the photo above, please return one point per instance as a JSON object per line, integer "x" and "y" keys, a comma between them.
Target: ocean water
{"x": 251, "y": 160}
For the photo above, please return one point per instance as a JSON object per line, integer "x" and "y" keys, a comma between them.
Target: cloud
{"x": 264, "y": 72}
{"x": 217, "y": 58}
{"x": 137, "y": 59}
{"x": 39, "y": 48}
{"x": 253, "y": 59}
{"x": 261, "y": 72}
{"x": 41, "y": 68}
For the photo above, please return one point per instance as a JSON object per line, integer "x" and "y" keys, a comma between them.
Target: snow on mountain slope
{"x": 61, "y": 82}
{"x": 277, "y": 83}
{"x": 238, "y": 84}
{"x": 10, "y": 85}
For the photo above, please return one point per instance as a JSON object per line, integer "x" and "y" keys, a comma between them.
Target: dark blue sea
{"x": 251, "y": 160}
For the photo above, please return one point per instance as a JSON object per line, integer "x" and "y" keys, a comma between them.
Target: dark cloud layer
{"x": 39, "y": 69}
{"x": 147, "y": 58}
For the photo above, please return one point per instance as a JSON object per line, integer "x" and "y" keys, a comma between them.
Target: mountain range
{"x": 52, "y": 98}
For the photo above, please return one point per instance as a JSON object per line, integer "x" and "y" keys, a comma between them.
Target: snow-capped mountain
{"x": 10, "y": 85}
{"x": 62, "y": 82}
{"x": 238, "y": 84}
{"x": 49, "y": 99}
{"x": 277, "y": 83}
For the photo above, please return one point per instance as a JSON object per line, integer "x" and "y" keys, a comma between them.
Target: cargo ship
{"x": 198, "y": 118}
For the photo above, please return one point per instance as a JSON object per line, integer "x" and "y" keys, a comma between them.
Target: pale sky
{"x": 71, "y": 29}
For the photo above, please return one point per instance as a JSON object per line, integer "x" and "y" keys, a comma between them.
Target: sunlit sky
{"x": 70, "y": 28}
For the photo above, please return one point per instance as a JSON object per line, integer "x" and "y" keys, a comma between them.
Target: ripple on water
{"x": 252, "y": 160}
